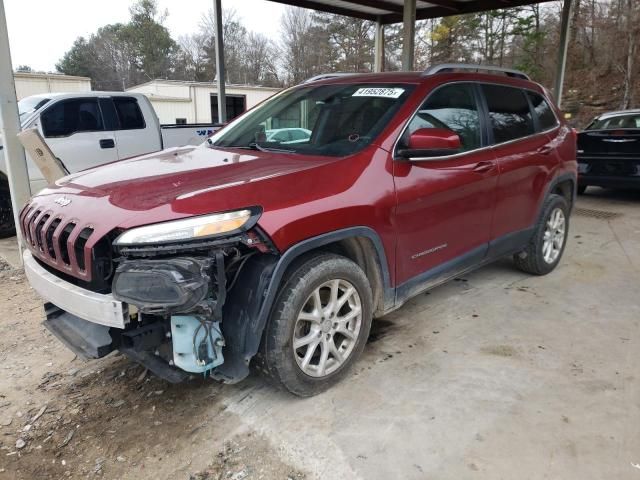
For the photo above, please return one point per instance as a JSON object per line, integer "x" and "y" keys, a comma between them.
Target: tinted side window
{"x": 618, "y": 121}
{"x": 509, "y": 113}
{"x": 129, "y": 113}
{"x": 72, "y": 116}
{"x": 452, "y": 107}
{"x": 544, "y": 112}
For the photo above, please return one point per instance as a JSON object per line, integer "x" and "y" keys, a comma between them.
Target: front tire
{"x": 319, "y": 326}
{"x": 7, "y": 223}
{"x": 544, "y": 251}
{"x": 582, "y": 189}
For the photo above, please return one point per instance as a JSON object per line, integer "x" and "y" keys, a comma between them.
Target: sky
{"x": 41, "y": 31}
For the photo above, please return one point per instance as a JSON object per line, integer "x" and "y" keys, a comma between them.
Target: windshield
{"x": 334, "y": 120}
{"x": 619, "y": 121}
{"x": 28, "y": 105}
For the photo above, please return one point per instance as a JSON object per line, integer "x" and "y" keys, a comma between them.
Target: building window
{"x": 236, "y": 105}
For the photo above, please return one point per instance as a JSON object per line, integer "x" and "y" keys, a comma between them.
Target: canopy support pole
{"x": 378, "y": 62}
{"x": 14, "y": 156}
{"x": 408, "y": 35}
{"x": 567, "y": 10}
{"x": 220, "y": 77}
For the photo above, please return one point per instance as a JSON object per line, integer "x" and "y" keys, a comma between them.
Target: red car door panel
{"x": 525, "y": 167}
{"x": 444, "y": 211}
{"x": 445, "y": 204}
{"x": 526, "y": 159}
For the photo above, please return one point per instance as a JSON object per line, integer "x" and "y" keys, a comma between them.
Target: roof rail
{"x": 324, "y": 76}
{"x": 450, "y": 67}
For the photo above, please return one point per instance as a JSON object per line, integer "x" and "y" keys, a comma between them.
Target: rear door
{"x": 75, "y": 131}
{"x": 133, "y": 134}
{"x": 524, "y": 148}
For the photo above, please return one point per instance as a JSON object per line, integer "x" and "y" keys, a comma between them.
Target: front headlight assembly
{"x": 188, "y": 229}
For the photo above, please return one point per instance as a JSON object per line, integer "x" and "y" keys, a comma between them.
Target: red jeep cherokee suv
{"x": 204, "y": 259}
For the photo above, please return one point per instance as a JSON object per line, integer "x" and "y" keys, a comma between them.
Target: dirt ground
{"x": 61, "y": 417}
{"x": 495, "y": 375}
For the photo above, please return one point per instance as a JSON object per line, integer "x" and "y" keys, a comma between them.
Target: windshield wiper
{"x": 257, "y": 146}
{"x": 253, "y": 146}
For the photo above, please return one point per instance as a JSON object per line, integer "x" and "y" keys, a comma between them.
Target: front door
{"x": 444, "y": 204}
{"x": 75, "y": 132}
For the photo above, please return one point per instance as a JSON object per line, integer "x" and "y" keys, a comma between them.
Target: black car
{"x": 609, "y": 151}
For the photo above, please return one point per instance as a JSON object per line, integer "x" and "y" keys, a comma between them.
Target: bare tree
{"x": 632, "y": 11}
{"x": 304, "y": 46}
{"x": 249, "y": 57}
{"x": 191, "y": 58}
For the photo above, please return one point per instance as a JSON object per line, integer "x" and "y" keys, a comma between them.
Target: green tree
{"x": 153, "y": 50}
{"x": 121, "y": 55}
{"x": 79, "y": 60}
{"x": 350, "y": 42}
{"x": 530, "y": 35}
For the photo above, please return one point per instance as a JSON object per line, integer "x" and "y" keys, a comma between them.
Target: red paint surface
{"x": 413, "y": 206}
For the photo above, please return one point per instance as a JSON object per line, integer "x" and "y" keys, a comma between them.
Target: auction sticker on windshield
{"x": 378, "y": 92}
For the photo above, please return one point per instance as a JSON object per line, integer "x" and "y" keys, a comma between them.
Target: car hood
{"x": 186, "y": 181}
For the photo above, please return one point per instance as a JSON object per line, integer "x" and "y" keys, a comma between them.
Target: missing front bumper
{"x": 85, "y": 339}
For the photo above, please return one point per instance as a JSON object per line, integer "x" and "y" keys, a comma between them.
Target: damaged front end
{"x": 189, "y": 305}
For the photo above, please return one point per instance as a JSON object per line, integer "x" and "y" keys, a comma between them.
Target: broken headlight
{"x": 193, "y": 228}
{"x": 175, "y": 285}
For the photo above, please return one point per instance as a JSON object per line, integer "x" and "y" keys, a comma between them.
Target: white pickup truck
{"x": 88, "y": 129}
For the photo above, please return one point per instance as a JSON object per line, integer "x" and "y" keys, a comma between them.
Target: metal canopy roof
{"x": 390, "y": 11}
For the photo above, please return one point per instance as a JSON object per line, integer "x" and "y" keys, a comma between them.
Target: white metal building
{"x": 28, "y": 84}
{"x": 177, "y": 101}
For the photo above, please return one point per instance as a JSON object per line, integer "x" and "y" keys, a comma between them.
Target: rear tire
{"x": 582, "y": 189}
{"x": 319, "y": 326}
{"x": 7, "y": 224}
{"x": 545, "y": 249}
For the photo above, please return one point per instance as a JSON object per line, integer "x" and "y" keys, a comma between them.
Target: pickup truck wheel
{"x": 7, "y": 224}
{"x": 545, "y": 249}
{"x": 582, "y": 189}
{"x": 319, "y": 325}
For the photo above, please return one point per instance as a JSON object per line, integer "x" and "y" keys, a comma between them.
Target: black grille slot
{"x": 49, "y": 237}
{"x": 25, "y": 224}
{"x": 81, "y": 242}
{"x": 33, "y": 218}
{"x": 64, "y": 236}
{"x": 102, "y": 261}
{"x": 39, "y": 227}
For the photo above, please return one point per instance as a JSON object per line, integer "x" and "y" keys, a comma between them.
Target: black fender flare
{"x": 563, "y": 177}
{"x": 245, "y": 316}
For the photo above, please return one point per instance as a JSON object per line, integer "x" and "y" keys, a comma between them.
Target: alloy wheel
{"x": 327, "y": 328}
{"x": 554, "y": 234}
